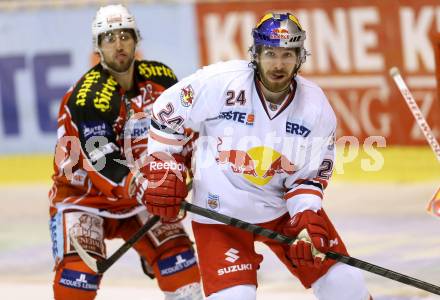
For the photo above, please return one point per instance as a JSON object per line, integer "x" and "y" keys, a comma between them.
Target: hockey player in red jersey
{"x": 264, "y": 155}
{"x": 99, "y": 176}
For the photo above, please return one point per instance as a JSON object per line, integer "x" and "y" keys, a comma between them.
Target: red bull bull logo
{"x": 257, "y": 165}
{"x": 187, "y": 96}
{"x": 239, "y": 160}
{"x": 279, "y": 166}
{"x": 279, "y": 33}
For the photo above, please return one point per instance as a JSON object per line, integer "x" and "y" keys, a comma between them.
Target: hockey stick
{"x": 357, "y": 263}
{"x": 415, "y": 110}
{"x": 433, "y": 206}
{"x": 100, "y": 266}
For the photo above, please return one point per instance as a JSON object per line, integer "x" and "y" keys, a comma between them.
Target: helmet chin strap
{"x": 101, "y": 56}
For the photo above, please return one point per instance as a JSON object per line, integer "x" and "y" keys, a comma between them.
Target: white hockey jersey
{"x": 253, "y": 160}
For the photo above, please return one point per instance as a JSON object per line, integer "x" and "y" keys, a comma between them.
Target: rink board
{"x": 400, "y": 164}
{"x": 378, "y": 222}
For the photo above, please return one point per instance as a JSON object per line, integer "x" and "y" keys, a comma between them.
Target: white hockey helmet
{"x": 112, "y": 17}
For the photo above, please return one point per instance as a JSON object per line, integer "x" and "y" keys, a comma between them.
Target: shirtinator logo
{"x": 231, "y": 255}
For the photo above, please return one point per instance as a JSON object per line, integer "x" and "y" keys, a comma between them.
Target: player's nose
{"x": 277, "y": 63}
{"x": 118, "y": 43}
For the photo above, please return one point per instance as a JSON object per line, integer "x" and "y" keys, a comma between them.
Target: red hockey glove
{"x": 161, "y": 184}
{"x": 311, "y": 231}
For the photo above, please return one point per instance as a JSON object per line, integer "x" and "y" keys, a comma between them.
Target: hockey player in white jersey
{"x": 264, "y": 155}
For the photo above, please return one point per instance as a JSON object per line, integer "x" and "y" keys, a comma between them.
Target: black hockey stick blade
{"x": 357, "y": 263}
{"x": 102, "y": 265}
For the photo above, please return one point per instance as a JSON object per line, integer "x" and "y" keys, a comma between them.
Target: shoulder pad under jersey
{"x": 155, "y": 71}
{"x": 97, "y": 89}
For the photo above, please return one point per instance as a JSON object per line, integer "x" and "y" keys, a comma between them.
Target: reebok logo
{"x": 231, "y": 255}
{"x": 167, "y": 166}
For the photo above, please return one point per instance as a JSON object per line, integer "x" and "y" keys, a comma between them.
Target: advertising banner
{"x": 353, "y": 45}
{"x": 44, "y": 52}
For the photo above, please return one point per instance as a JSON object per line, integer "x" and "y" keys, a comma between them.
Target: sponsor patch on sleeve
{"x": 95, "y": 128}
{"x": 57, "y": 236}
{"x": 177, "y": 263}
{"x": 137, "y": 128}
{"x": 79, "y": 280}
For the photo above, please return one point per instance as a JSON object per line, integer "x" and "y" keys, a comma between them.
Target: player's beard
{"x": 276, "y": 86}
{"x": 121, "y": 66}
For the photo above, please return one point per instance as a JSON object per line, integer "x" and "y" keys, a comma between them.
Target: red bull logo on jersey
{"x": 279, "y": 166}
{"x": 187, "y": 96}
{"x": 257, "y": 165}
{"x": 240, "y": 161}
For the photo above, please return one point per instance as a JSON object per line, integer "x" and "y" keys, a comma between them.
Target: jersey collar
{"x": 284, "y": 104}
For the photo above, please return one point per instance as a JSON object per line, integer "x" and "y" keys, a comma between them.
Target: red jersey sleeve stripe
{"x": 302, "y": 192}
{"x": 323, "y": 182}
